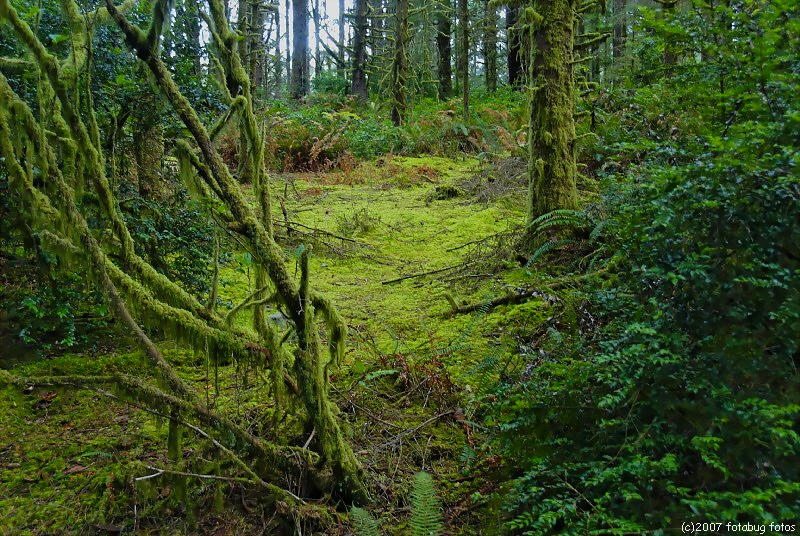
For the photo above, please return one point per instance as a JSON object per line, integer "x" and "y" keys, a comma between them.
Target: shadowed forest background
{"x": 399, "y": 267}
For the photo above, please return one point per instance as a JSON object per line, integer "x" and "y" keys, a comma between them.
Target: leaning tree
{"x": 54, "y": 154}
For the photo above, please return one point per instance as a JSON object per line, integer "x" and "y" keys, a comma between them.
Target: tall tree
{"x": 444, "y": 65}
{"x": 256, "y": 47}
{"x": 148, "y": 147}
{"x": 463, "y": 54}
{"x": 551, "y": 131}
{"x": 340, "y": 41}
{"x": 514, "y": 46}
{"x": 490, "y": 44}
{"x": 620, "y": 28}
{"x": 288, "y": 48}
{"x": 276, "y": 90}
{"x": 317, "y": 21}
{"x": 299, "y": 87}
{"x": 400, "y": 63}
{"x": 552, "y": 168}
{"x": 359, "y": 82}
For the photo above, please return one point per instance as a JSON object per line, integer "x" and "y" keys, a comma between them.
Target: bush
{"x": 683, "y": 407}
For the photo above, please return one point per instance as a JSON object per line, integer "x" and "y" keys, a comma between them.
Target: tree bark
{"x": 463, "y": 54}
{"x": 317, "y": 57}
{"x": 278, "y": 69}
{"x": 400, "y": 63}
{"x": 514, "y": 47}
{"x": 340, "y": 42}
{"x": 300, "y": 49}
{"x": 444, "y": 66}
{"x": 359, "y": 82}
{"x": 490, "y": 45}
{"x": 620, "y": 28}
{"x": 551, "y": 133}
{"x": 148, "y": 151}
{"x": 256, "y": 48}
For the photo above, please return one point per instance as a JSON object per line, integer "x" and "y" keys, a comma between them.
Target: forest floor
{"x": 392, "y": 241}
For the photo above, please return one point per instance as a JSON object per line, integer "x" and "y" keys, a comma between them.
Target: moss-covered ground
{"x": 392, "y": 240}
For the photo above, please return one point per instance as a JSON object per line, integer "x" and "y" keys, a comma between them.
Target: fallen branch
{"x": 421, "y": 274}
{"x": 414, "y": 429}
{"x": 519, "y": 296}
{"x": 288, "y": 225}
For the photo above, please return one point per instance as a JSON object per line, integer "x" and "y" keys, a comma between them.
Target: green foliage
{"x": 331, "y": 83}
{"x": 681, "y": 403}
{"x": 426, "y": 515}
{"x": 363, "y": 523}
{"x": 176, "y": 236}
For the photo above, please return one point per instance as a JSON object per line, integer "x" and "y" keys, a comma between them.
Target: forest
{"x": 397, "y": 267}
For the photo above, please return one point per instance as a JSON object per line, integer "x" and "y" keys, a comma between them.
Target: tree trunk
{"x": 317, "y": 57}
{"x": 278, "y": 70}
{"x": 243, "y": 27}
{"x": 463, "y": 54}
{"x": 670, "y": 49}
{"x": 359, "y": 84}
{"x": 288, "y": 50}
{"x": 514, "y": 47}
{"x": 300, "y": 49}
{"x": 148, "y": 151}
{"x": 551, "y": 134}
{"x": 340, "y": 42}
{"x": 620, "y": 28}
{"x": 400, "y": 63}
{"x": 445, "y": 69}
{"x": 256, "y": 47}
{"x": 490, "y": 45}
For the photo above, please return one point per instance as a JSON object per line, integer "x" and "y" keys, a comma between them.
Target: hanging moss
{"x": 136, "y": 290}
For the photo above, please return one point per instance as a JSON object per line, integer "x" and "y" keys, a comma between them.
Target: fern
{"x": 544, "y": 248}
{"x": 363, "y": 523}
{"x": 558, "y": 218}
{"x": 426, "y": 516}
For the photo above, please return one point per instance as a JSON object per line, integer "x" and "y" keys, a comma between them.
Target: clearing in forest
{"x": 393, "y": 241}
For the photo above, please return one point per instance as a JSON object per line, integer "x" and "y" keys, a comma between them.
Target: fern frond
{"x": 426, "y": 515}
{"x": 363, "y": 523}
{"x": 598, "y": 229}
{"x": 547, "y": 246}
{"x": 558, "y": 218}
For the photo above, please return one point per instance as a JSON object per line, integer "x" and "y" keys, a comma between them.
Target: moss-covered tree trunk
{"x": 276, "y": 86}
{"x": 340, "y": 41}
{"x": 444, "y": 66}
{"x": 551, "y": 157}
{"x": 490, "y": 45}
{"x": 300, "y": 49}
{"x": 288, "y": 49}
{"x": 463, "y": 55}
{"x": 256, "y": 47}
{"x": 620, "y": 28}
{"x": 317, "y": 57}
{"x": 514, "y": 46}
{"x": 400, "y": 63}
{"x": 359, "y": 82}
{"x": 148, "y": 151}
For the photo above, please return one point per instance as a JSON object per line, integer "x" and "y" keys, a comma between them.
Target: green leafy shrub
{"x": 681, "y": 404}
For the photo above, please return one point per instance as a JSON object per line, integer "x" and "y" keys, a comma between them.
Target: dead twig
{"x": 421, "y": 274}
{"x": 414, "y": 429}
